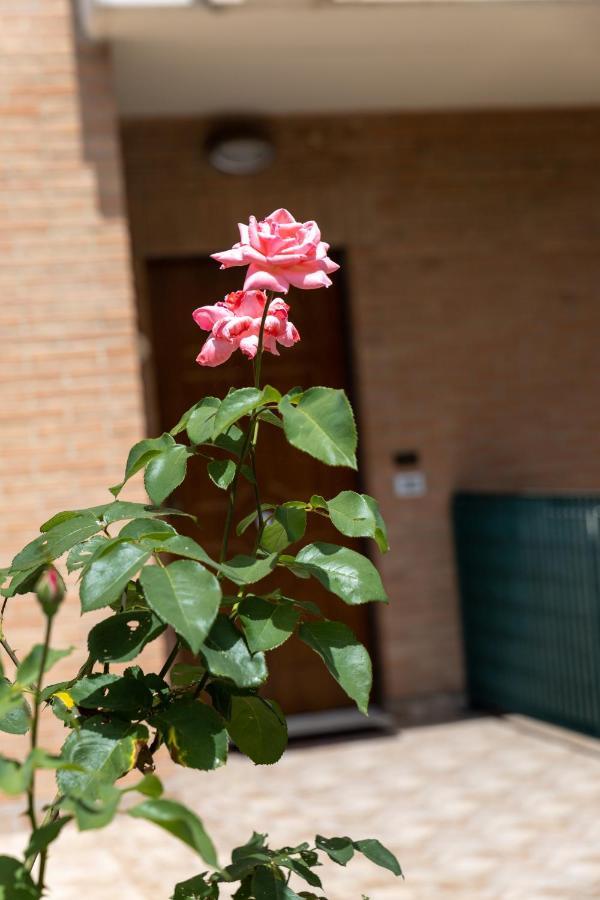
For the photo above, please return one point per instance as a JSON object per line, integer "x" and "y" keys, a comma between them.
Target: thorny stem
{"x": 34, "y": 736}
{"x": 3, "y": 641}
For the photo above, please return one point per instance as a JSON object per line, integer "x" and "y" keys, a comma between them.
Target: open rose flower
{"x": 280, "y": 252}
{"x": 235, "y": 322}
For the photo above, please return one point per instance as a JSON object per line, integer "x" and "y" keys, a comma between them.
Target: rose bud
{"x": 50, "y": 590}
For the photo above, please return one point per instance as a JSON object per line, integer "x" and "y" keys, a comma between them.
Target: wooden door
{"x": 298, "y": 680}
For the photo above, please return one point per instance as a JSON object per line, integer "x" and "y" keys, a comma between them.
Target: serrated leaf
{"x": 22, "y": 582}
{"x": 345, "y": 657}
{"x": 165, "y": 472}
{"x": 147, "y": 528}
{"x": 123, "y": 636}
{"x": 248, "y": 569}
{"x": 120, "y": 510}
{"x": 53, "y": 543}
{"x": 29, "y": 669}
{"x": 201, "y": 421}
{"x": 380, "y": 855}
{"x": 196, "y": 888}
{"x": 104, "y": 750}
{"x": 344, "y": 572}
{"x": 236, "y": 404}
{"x": 300, "y": 869}
{"x": 321, "y": 424}
{"x": 186, "y": 596}
{"x": 113, "y": 692}
{"x": 81, "y": 554}
{"x": 258, "y": 728}
{"x": 266, "y": 625}
{"x": 221, "y": 472}
{"x": 357, "y": 515}
{"x": 286, "y": 526}
{"x": 339, "y": 849}
{"x": 226, "y": 655}
{"x": 141, "y": 454}
{"x": 182, "y": 545}
{"x": 187, "y": 415}
{"x": 107, "y": 576}
{"x": 194, "y": 734}
{"x": 179, "y": 821}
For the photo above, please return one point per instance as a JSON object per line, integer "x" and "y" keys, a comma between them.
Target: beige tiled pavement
{"x": 484, "y": 808}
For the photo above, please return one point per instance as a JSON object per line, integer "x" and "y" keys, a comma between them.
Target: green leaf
{"x": 322, "y": 425}
{"x": 286, "y": 526}
{"x": 81, "y": 554}
{"x": 141, "y": 454}
{"x": 186, "y": 596}
{"x": 108, "y": 575}
{"x": 28, "y": 671}
{"x": 344, "y": 572}
{"x": 12, "y": 780}
{"x": 236, "y": 404}
{"x": 258, "y": 728}
{"x": 147, "y": 528}
{"x": 248, "y": 569}
{"x": 150, "y": 786}
{"x": 194, "y": 734}
{"x": 251, "y": 518}
{"x": 181, "y": 545}
{"x": 165, "y": 472}
{"x": 357, "y": 515}
{"x": 180, "y": 822}
{"x": 15, "y": 881}
{"x": 266, "y": 885}
{"x": 17, "y": 719}
{"x": 104, "y": 750}
{"x": 123, "y": 636}
{"x": 345, "y": 657}
{"x": 380, "y": 855}
{"x": 300, "y": 869}
{"x": 267, "y": 625}
{"x": 196, "y": 888}
{"x": 53, "y": 543}
{"x": 125, "y": 509}
{"x": 226, "y": 655}
{"x": 23, "y": 582}
{"x": 318, "y": 502}
{"x": 339, "y": 849}
{"x": 201, "y": 421}
{"x": 221, "y": 472}
{"x": 114, "y": 692}
{"x": 97, "y": 811}
{"x": 43, "y": 836}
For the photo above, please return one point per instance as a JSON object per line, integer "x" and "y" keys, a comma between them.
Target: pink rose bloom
{"x": 235, "y": 322}
{"x": 280, "y": 252}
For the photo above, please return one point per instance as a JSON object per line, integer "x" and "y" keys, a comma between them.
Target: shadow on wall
{"x": 98, "y": 119}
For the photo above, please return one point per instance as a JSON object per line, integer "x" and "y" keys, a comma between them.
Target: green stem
{"x": 170, "y": 659}
{"x": 10, "y": 651}
{"x": 260, "y": 523}
{"x": 250, "y": 439}
{"x": 34, "y": 736}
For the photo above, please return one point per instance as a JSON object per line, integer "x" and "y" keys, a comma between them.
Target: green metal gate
{"x": 529, "y": 574}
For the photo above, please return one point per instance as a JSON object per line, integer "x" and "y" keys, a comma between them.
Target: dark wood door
{"x": 298, "y": 680}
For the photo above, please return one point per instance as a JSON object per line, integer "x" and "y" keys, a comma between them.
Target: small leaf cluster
{"x": 266, "y": 874}
{"x": 131, "y": 561}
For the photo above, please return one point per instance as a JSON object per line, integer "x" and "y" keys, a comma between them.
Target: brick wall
{"x": 473, "y": 251}
{"x": 69, "y": 372}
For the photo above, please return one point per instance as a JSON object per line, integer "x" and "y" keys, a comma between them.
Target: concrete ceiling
{"x": 175, "y": 57}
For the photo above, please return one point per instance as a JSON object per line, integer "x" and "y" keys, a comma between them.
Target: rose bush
{"x": 132, "y": 563}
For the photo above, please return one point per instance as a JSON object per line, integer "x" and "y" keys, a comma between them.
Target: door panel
{"x": 298, "y": 679}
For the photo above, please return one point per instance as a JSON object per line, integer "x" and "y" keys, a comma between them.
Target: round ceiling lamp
{"x": 240, "y": 149}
